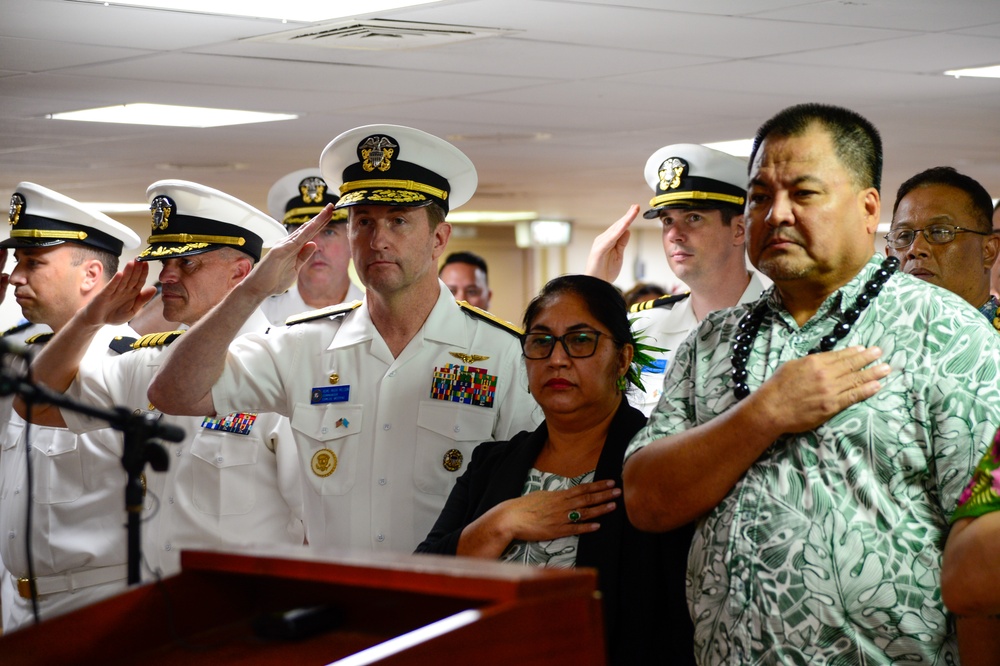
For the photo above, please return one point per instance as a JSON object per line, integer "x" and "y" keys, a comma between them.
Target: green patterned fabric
{"x": 828, "y": 550}
{"x": 982, "y": 495}
{"x": 557, "y": 553}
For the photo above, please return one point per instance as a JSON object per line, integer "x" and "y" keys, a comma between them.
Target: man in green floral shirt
{"x": 824, "y": 481}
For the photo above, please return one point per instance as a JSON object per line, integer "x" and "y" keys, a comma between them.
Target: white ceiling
{"x": 559, "y": 112}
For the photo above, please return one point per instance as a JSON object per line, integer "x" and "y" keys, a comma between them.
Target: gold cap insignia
{"x": 376, "y": 153}
{"x": 312, "y": 189}
{"x": 671, "y": 172}
{"x": 161, "y": 207}
{"x": 452, "y": 460}
{"x": 324, "y": 462}
{"x": 468, "y": 358}
{"x": 16, "y": 206}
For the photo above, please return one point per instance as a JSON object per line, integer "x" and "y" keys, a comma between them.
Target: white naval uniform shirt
{"x": 222, "y": 489}
{"x": 280, "y": 307}
{"x": 379, "y": 452}
{"x": 78, "y": 512}
{"x": 667, "y": 327}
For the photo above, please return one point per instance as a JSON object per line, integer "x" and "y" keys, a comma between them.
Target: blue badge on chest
{"x": 323, "y": 394}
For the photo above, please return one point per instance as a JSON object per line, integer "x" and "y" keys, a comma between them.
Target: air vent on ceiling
{"x": 380, "y": 35}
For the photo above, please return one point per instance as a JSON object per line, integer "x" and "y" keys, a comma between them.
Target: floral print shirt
{"x": 982, "y": 495}
{"x": 828, "y": 549}
{"x": 557, "y": 553}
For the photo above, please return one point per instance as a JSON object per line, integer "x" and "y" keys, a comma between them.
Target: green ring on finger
{"x": 573, "y": 516}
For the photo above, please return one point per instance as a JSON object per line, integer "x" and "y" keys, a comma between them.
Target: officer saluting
{"x": 386, "y": 398}
{"x": 323, "y": 281}
{"x": 234, "y": 478}
{"x": 698, "y": 196}
{"x": 65, "y": 253}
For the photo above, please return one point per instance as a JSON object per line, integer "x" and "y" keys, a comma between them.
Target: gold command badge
{"x": 452, "y": 460}
{"x": 334, "y": 378}
{"x": 324, "y": 462}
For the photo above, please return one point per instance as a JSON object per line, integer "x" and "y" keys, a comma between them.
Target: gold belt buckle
{"x": 24, "y": 586}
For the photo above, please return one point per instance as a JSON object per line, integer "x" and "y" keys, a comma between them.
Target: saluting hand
{"x": 4, "y": 277}
{"x": 277, "y": 271}
{"x": 121, "y": 298}
{"x": 608, "y": 250}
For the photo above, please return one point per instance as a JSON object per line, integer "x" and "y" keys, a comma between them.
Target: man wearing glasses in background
{"x": 941, "y": 232}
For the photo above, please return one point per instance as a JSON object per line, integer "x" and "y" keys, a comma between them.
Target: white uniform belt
{"x": 71, "y": 581}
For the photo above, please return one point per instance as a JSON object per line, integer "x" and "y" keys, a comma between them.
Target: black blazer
{"x": 641, "y": 575}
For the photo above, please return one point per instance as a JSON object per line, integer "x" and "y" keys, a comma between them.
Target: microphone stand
{"x": 140, "y": 429}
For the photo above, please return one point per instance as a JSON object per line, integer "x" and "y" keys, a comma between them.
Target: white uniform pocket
{"x": 57, "y": 466}
{"x": 446, "y": 435}
{"x": 328, "y": 437}
{"x": 224, "y": 468}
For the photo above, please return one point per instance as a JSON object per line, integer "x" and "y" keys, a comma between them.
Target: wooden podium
{"x": 396, "y": 609}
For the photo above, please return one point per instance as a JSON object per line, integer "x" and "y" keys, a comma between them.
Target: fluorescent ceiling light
{"x": 991, "y": 72}
{"x": 542, "y": 233}
{"x": 737, "y": 147}
{"x": 304, "y": 11}
{"x": 108, "y": 207}
{"x": 473, "y": 216}
{"x": 170, "y": 116}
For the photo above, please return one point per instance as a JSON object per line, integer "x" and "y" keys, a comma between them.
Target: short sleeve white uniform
{"x": 222, "y": 489}
{"x": 381, "y": 439}
{"x": 79, "y": 540}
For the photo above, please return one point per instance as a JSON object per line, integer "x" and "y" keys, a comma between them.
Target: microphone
{"x": 154, "y": 426}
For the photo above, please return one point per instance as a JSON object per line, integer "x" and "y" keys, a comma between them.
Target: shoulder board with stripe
{"x": 39, "y": 338}
{"x": 478, "y": 313}
{"x": 323, "y": 313}
{"x": 121, "y": 344}
{"x": 662, "y": 301}
{"x": 16, "y": 329}
{"x": 156, "y": 339}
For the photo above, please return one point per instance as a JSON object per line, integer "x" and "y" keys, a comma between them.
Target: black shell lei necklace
{"x": 749, "y": 326}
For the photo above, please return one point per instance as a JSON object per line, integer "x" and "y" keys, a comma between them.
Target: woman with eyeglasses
{"x": 552, "y": 497}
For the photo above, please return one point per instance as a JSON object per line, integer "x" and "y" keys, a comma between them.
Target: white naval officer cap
{"x": 688, "y": 175}
{"x": 300, "y": 196}
{"x": 188, "y": 218}
{"x": 40, "y": 217}
{"x": 392, "y": 165}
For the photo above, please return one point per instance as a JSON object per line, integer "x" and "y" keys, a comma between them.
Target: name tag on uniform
{"x": 324, "y": 394}
{"x": 657, "y": 367}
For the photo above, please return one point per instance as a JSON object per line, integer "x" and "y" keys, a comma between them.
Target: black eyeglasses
{"x": 937, "y": 234}
{"x": 578, "y": 344}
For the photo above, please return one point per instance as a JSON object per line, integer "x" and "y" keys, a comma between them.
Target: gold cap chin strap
{"x": 197, "y": 238}
{"x": 410, "y": 185}
{"x": 48, "y": 233}
{"x": 671, "y": 197}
